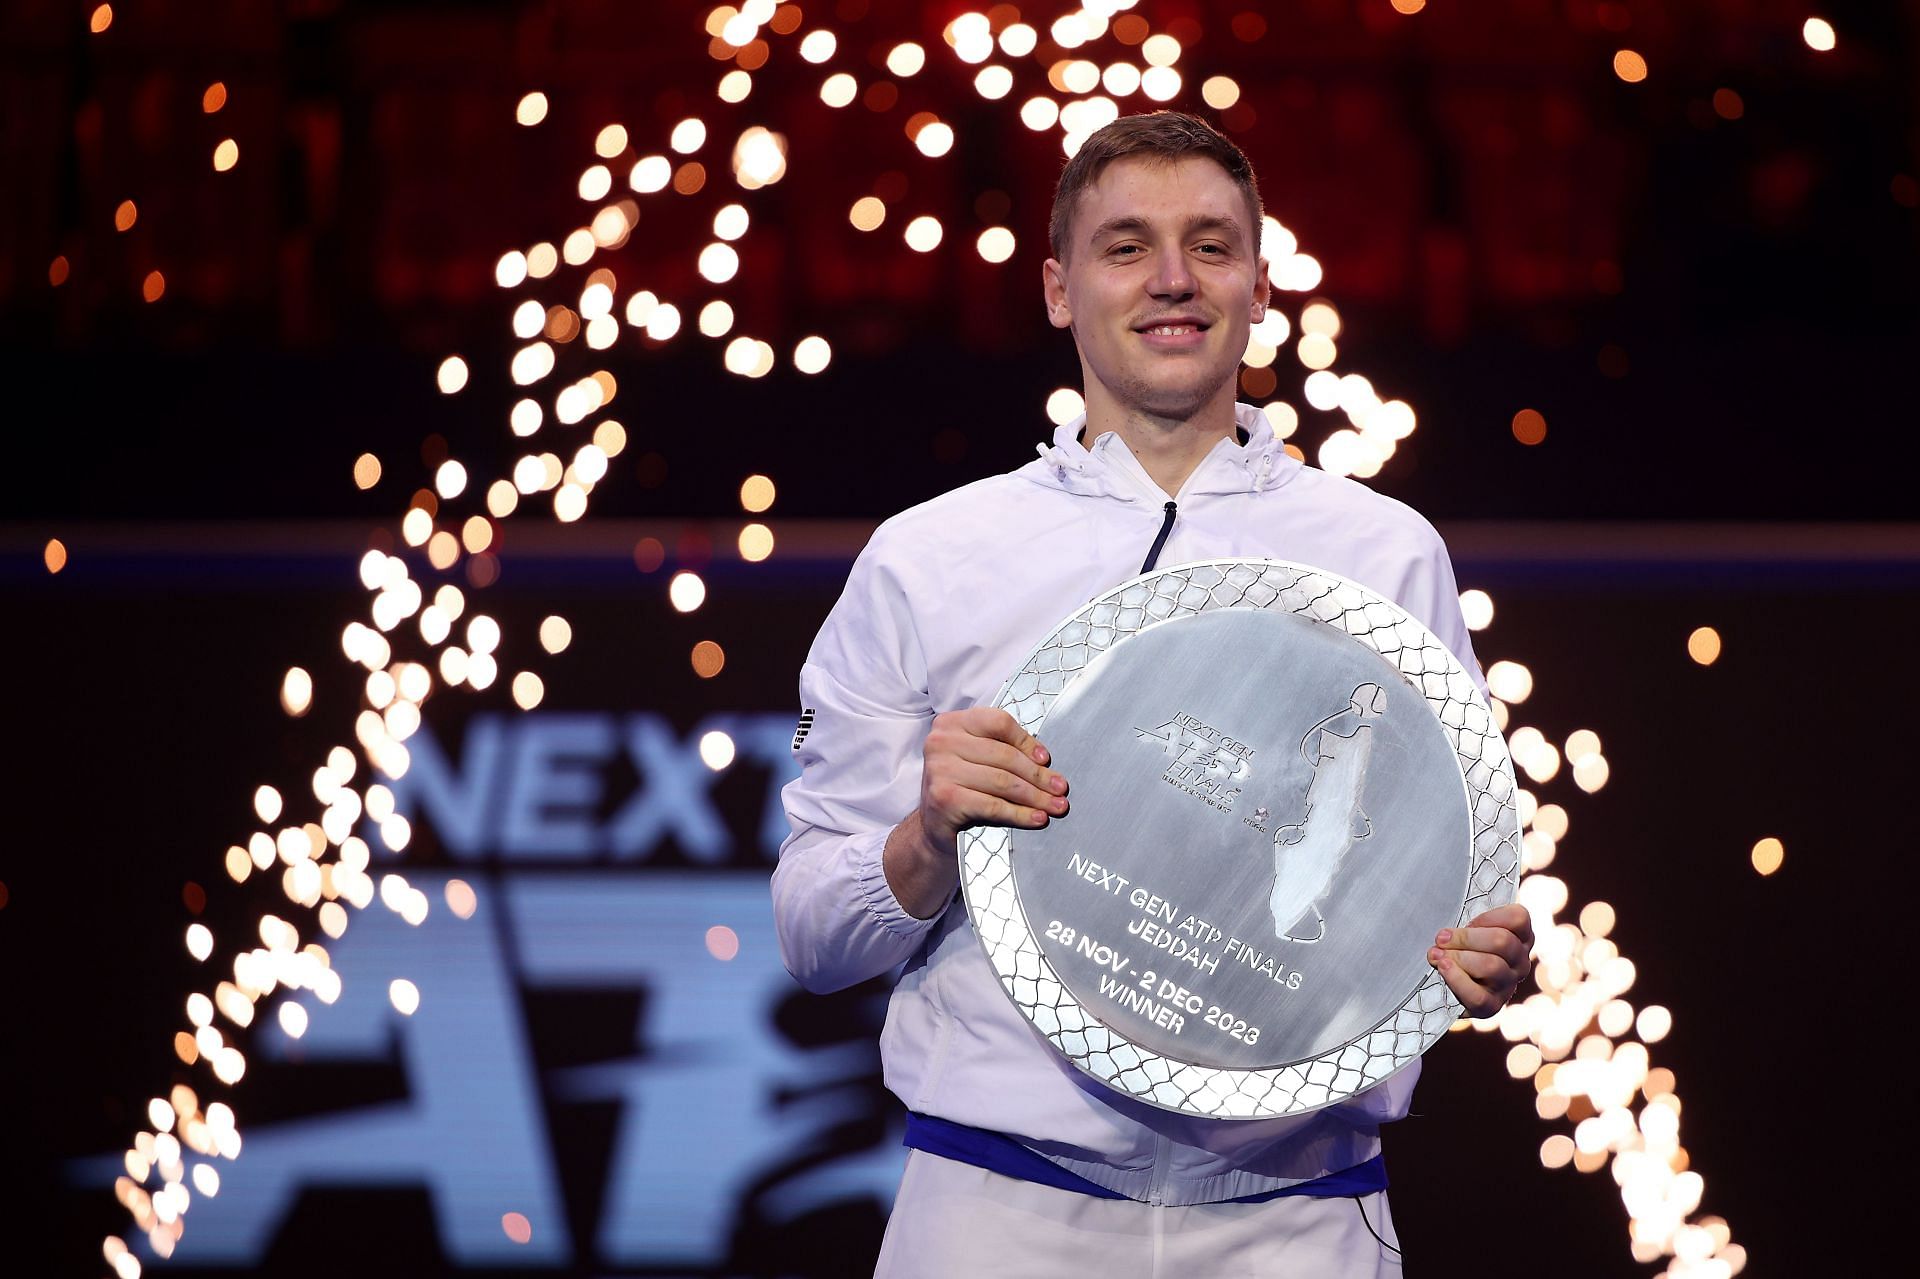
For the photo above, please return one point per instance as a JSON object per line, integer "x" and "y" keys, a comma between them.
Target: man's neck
{"x": 1169, "y": 450}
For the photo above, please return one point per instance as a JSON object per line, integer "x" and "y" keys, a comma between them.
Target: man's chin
{"x": 1177, "y": 403}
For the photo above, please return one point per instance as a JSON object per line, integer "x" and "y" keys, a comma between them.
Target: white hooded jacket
{"x": 945, "y": 602}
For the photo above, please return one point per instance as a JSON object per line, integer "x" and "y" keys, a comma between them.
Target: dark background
{"x": 1716, "y": 317}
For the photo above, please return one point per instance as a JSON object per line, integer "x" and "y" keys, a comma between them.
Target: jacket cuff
{"x": 877, "y": 895}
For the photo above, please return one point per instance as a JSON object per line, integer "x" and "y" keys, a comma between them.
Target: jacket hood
{"x": 1106, "y": 468}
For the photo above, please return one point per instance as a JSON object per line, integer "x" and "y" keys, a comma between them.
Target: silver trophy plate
{"x": 1283, "y": 786}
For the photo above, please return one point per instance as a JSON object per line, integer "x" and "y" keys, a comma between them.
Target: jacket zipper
{"x": 1166, "y": 527}
{"x": 1157, "y": 1182}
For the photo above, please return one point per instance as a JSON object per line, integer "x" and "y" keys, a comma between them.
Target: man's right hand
{"x": 980, "y": 768}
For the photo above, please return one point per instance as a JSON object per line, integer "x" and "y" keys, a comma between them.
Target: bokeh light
{"x": 688, "y": 136}
{"x": 812, "y": 354}
{"x": 1509, "y": 681}
{"x": 450, "y": 478}
{"x": 650, "y": 173}
{"x": 610, "y": 141}
{"x": 716, "y": 749}
{"x": 1476, "y": 608}
{"x": 924, "y": 233}
{"x": 756, "y": 543}
{"x": 715, "y": 320}
{"x": 686, "y": 592}
{"x": 995, "y": 244}
{"x": 756, "y": 494}
{"x": 1064, "y": 405}
{"x": 461, "y": 898}
{"x": 993, "y": 83}
{"x": 719, "y": 262}
{"x": 1018, "y": 40}
{"x": 906, "y": 59}
{"x": 296, "y": 691}
{"x": 839, "y": 89}
{"x": 1039, "y": 114}
{"x": 708, "y": 659}
{"x": 934, "y": 140}
{"x": 1219, "y": 92}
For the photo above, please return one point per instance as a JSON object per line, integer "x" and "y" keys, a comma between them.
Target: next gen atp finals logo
{"x": 621, "y": 963}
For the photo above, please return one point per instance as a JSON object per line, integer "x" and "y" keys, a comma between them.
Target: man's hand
{"x": 980, "y": 768}
{"x": 1485, "y": 960}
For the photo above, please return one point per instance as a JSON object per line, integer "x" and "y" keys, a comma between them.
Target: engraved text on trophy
{"x": 1307, "y": 854}
{"x": 1202, "y": 761}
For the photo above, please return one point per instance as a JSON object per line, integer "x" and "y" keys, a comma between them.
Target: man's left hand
{"x": 1485, "y": 960}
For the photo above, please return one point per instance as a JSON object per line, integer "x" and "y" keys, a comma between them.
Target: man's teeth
{"x": 1174, "y": 330}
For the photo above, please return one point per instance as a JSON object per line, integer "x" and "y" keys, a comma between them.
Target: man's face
{"x": 1161, "y": 282}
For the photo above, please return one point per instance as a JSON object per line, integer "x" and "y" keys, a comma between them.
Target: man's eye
{"x": 1212, "y": 249}
{"x": 1124, "y": 250}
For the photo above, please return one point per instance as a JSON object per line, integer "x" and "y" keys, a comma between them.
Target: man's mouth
{"x": 1172, "y": 328}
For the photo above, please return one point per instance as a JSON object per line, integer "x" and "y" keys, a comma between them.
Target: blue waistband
{"x": 997, "y": 1152}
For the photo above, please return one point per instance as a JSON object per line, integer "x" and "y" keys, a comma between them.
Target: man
{"x": 1021, "y": 1165}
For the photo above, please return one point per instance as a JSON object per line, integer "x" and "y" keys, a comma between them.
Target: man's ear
{"x": 1262, "y": 292}
{"x": 1053, "y": 286}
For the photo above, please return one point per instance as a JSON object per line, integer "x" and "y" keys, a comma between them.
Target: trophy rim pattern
{"x": 1326, "y": 1078}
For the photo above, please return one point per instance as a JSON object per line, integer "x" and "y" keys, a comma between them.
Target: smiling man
{"x": 1020, "y": 1164}
{"x": 1156, "y": 269}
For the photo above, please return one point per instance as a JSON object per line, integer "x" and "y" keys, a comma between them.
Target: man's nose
{"x": 1172, "y": 277}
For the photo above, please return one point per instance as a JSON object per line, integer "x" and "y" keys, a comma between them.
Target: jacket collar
{"x": 1105, "y": 466}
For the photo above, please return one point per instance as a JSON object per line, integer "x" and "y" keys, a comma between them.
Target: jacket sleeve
{"x": 865, "y": 685}
{"x": 1431, "y": 595}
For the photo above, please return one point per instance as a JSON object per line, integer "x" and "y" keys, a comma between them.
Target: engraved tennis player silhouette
{"x": 1307, "y": 854}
